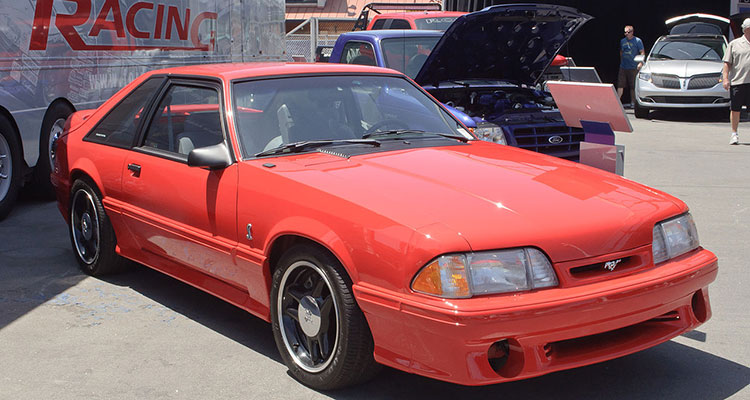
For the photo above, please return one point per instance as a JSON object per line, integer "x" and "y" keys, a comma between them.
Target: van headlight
{"x": 490, "y": 132}
{"x": 502, "y": 271}
{"x": 674, "y": 237}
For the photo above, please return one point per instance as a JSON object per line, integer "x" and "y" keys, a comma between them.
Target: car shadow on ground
{"x": 668, "y": 371}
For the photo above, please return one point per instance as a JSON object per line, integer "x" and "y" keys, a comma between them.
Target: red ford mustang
{"x": 344, "y": 205}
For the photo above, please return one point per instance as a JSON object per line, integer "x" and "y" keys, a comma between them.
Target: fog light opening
{"x": 698, "y": 303}
{"x": 498, "y": 354}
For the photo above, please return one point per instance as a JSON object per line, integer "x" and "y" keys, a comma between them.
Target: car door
{"x": 183, "y": 216}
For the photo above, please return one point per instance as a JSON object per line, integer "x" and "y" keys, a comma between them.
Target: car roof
{"x": 232, "y": 71}
{"x": 393, "y": 33}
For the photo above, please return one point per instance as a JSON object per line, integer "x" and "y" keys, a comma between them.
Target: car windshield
{"x": 689, "y": 49}
{"x": 434, "y": 23}
{"x": 274, "y": 113}
{"x": 408, "y": 54}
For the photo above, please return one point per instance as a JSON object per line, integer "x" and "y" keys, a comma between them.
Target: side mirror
{"x": 640, "y": 58}
{"x": 213, "y": 157}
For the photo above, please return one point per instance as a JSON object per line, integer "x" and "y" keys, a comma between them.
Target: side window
{"x": 400, "y": 24}
{"x": 358, "y": 53}
{"x": 187, "y": 117}
{"x": 378, "y": 24}
{"x": 119, "y": 127}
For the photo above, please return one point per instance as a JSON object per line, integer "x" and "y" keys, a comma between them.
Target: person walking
{"x": 735, "y": 77}
{"x": 630, "y": 46}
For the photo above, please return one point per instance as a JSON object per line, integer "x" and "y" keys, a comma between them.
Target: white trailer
{"x": 57, "y": 56}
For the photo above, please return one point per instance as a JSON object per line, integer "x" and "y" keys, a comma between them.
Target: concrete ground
{"x": 142, "y": 335}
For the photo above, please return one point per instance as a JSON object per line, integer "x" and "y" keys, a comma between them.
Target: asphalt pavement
{"x": 143, "y": 335}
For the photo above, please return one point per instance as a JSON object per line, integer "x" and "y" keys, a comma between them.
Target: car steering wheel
{"x": 393, "y": 122}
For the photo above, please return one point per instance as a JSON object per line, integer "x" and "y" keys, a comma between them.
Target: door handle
{"x": 136, "y": 169}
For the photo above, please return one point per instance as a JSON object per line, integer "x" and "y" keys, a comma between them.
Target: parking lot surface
{"x": 144, "y": 335}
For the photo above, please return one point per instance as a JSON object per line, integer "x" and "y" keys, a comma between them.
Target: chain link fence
{"x": 298, "y": 45}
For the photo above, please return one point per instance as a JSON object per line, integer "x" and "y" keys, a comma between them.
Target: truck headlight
{"x": 674, "y": 237}
{"x": 468, "y": 274}
{"x": 490, "y": 133}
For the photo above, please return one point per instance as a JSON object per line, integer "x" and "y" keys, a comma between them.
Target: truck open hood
{"x": 504, "y": 42}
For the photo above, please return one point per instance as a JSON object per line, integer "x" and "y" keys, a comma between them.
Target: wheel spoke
{"x": 318, "y": 288}
{"x": 310, "y": 345}
{"x": 323, "y": 345}
{"x": 295, "y": 293}
{"x": 292, "y": 313}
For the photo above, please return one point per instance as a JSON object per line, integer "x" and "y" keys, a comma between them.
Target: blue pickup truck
{"x": 487, "y": 66}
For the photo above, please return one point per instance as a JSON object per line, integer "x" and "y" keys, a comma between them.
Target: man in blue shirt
{"x": 630, "y": 46}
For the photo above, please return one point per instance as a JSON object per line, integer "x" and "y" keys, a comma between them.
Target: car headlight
{"x": 490, "y": 133}
{"x": 644, "y": 76}
{"x": 468, "y": 274}
{"x": 674, "y": 237}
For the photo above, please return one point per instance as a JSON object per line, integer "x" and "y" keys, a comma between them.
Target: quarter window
{"x": 119, "y": 127}
{"x": 187, "y": 117}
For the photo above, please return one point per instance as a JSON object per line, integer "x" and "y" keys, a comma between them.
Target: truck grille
{"x": 666, "y": 81}
{"x": 704, "y": 81}
{"x": 541, "y": 138}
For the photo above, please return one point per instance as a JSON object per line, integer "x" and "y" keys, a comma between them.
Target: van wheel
{"x": 52, "y": 127}
{"x": 10, "y": 167}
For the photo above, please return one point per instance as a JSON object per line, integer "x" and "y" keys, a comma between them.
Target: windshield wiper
{"x": 399, "y": 132}
{"x": 297, "y": 147}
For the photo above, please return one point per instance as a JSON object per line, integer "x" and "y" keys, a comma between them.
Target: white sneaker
{"x": 735, "y": 139}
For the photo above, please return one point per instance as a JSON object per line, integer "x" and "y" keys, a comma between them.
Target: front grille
{"x": 537, "y": 138}
{"x": 686, "y": 99}
{"x": 704, "y": 81}
{"x": 666, "y": 81}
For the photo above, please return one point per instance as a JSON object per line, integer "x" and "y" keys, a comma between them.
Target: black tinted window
{"x": 400, "y": 24}
{"x": 119, "y": 127}
{"x": 378, "y": 24}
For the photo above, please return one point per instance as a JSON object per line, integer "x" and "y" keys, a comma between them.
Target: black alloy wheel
{"x": 320, "y": 331}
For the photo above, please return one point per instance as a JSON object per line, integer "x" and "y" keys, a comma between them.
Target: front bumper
{"x": 649, "y": 95}
{"x": 546, "y": 330}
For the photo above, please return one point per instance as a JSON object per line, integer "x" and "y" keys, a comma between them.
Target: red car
{"x": 432, "y": 20}
{"x": 347, "y": 207}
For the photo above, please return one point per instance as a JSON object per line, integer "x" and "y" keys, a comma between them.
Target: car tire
{"x": 52, "y": 127}
{"x": 10, "y": 167}
{"x": 330, "y": 345}
{"x": 640, "y": 111}
{"x": 91, "y": 233}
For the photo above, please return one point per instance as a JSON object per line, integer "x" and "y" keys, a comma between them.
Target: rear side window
{"x": 358, "y": 53}
{"x": 119, "y": 127}
{"x": 378, "y": 24}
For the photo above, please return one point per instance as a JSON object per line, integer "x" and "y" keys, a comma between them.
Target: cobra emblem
{"x": 557, "y": 139}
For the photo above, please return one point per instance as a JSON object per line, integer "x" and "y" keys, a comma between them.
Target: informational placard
{"x": 589, "y": 102}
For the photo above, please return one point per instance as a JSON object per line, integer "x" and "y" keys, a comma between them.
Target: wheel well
{"x": 78, "y": 174}
{"x": 284, "y": 243}
{"x": 8, "y": 116}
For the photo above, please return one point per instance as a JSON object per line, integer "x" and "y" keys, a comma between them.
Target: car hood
{"x": 683, "y": 68}
{"x": 490, "y": 195}
{"x": 505, "y": 42}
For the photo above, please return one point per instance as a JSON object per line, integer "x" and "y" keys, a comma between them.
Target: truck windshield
{"x": 689, "y": 49}
{"x": 272, "y": 113}
{"x": 408, "y": 54}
